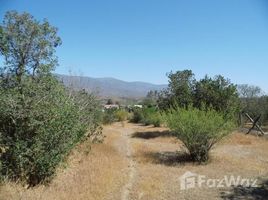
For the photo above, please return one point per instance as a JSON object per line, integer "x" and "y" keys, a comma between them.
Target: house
{"x": 138, "y": 106}
{"x": 111, "y": 106}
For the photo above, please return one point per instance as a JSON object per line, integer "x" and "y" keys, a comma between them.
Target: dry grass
{"x": 94, "y": 175}
{"x": 159, "y": 161}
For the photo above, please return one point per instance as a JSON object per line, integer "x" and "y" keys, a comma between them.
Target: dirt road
{"x": 137, "y": 162}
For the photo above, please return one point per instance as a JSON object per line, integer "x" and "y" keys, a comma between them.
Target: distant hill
{"x": 109, "y": 87}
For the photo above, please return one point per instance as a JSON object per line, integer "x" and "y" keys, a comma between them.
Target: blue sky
{"x": 141, "y": 40}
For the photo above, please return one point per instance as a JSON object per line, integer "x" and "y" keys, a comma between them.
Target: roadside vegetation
{"x": 40, "y": 120}
{"x": 114, "y": 115}
{"x": 147, "y": 116}
{"x": 199, "y": 113}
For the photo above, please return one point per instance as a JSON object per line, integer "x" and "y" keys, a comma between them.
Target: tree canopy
{"x": 40, "y": 120}
{"x": 179, "y": 89}
{"x": 27, "y": 45}
{"x": 184, "y": 90}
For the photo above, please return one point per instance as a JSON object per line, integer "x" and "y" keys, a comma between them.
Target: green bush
{"x": 147, "y": 116}
{"x": 137, "y": 116}
{"x": 198, "y": 129}
{"x": 121, "y": 115}
{"x": 90, "y": 114}
{"x": 40, "y": 121}
{"x": 114, "y": 115}
{"x": 39, "y": 125}
{"x": 109, "y": 116}
{"x": 155, "y": 119}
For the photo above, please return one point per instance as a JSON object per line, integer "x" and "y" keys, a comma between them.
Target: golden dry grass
{"x": 157, "y": 163}
{"x": 161, "y": 163}
{"x": 96, "y": 175}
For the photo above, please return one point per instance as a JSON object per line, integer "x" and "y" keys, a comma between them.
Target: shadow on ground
{"x": 247, "y": 193}
{"x": 169, "y": 158}
{"x": 152, "y": 134}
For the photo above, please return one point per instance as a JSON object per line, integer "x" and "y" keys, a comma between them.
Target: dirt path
{"x": 143, "y": 163}
{"x": 126, "y": 133}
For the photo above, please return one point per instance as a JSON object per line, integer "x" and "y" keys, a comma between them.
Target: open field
{"x": 142, "y": 162}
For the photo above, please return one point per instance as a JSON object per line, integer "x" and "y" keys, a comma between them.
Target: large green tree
{"x": 27, "y": 45}
{"x": 39, "y": 122}
{"x": 184, "y": 90}
{"x": 179, "y": 90}
{"x": 218, "y": 93}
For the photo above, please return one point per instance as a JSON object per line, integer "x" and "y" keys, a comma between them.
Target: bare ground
{"x": 138, "y": 162}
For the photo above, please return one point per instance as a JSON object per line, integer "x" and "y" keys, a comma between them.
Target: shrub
{"x": 90, "y": 114}
{"x": 40, "y": 121}
{"x": 151, "y": 117}
{"x": 114, "y": 115}
{"x": 39, "y": 127}
{"x": 147, "y": 116}
{"x": 137, "y": 116}
{"x": 121, "y": 115}
{"x": 109, "y": 116}
{"x": 155, "y": 119}
{"x": 198, "y": 129}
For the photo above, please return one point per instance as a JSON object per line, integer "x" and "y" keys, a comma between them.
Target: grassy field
{"x": 142, "y": 162}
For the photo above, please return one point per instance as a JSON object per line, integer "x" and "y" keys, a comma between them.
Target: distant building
{"x": 111, "y": 106}
{"x": 138, "y": 106}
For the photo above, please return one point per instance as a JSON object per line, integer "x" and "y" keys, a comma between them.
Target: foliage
{"x": 151, "y": 99}
{"x": 218, "y": 93}
{"x": 109, "y": 102}
{"x": 40, "y": 121}
{"x": 90, "y": 112}
{"x": 154, "y": 119}
{"x": 249, "y": 91}
{"x": 147, "y": 116}
{"x": 121, "y": 115}
{"x": 28, "y": 46}
{"x": 137, "y": 116}
{"x": 114, "y": 115}
{"x": 179, "y": 90}
{"x": 198, "y": 129}
{"x": 253, "y": 101}
{"x": 109, "y": 116}
{"x": 183, "y": 90}
{"x": 39, "y": 128}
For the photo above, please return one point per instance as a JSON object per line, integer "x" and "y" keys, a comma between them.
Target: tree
{"x": 28, "y": 46}
{"x": 179, "y": 91}
{"x": 218, "y": 93}
{"x": 109, "y": 102}
{"x": 252, "y": 101}
{"x": 249, "y": 91}
{"x": 184, "y": 90}
{"x": 151, "y": 98}
{"x": 39, "y": 122}
{"x": 2, "y": 45}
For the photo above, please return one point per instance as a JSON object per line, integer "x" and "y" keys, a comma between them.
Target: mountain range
{"x": 109, "y": 87}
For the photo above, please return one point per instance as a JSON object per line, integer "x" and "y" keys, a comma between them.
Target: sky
{"x": 142, "y": 40}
